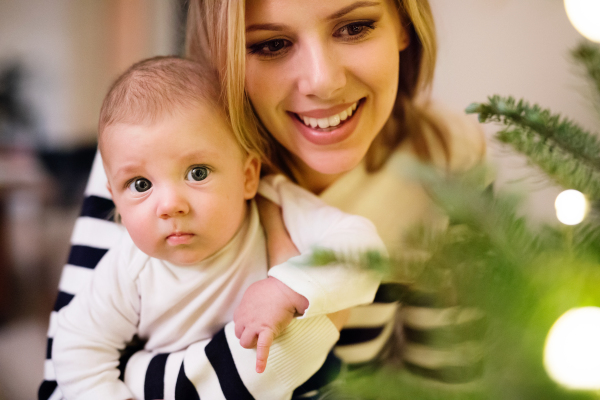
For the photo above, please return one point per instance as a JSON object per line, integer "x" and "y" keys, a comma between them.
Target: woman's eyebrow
{"x": 352, "y": 7}
{"x": 265, "y": 27}
{"x": 335, "y": 15}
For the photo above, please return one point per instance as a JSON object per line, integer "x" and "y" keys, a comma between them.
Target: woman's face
{"x": 322, "y": 76}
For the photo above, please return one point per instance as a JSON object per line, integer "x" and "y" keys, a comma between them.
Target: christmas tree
{"x": 524, "y": 277}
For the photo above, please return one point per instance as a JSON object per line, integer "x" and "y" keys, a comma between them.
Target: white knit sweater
{"x": 173, "y": 307}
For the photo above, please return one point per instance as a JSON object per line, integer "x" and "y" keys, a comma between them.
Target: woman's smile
{"x": 325, "y": 118}
{"x": 327, "y": 127}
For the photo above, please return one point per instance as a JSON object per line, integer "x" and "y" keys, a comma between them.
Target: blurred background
{"x": 57, "y": 59}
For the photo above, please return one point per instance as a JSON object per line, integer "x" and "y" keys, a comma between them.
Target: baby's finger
{"x": 265, "y": 340}
{"x": 239, "y": 330}
{"x": 248, "y": 339}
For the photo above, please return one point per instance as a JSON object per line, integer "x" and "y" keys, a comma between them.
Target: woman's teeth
{"x": 333, "y": 120}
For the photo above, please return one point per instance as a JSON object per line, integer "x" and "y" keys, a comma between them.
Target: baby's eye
{"x": 197, "y": 174}
{"x": 140, "y": 185}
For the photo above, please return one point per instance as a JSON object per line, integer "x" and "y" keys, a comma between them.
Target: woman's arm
{"x": 99, "y": 321}
{"x": 94, "y": 233}
{"x": 280, "y": 247}
{"x": 313, "y": 224}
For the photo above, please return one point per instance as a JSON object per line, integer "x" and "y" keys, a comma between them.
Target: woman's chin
{"x": 334, "y": 162}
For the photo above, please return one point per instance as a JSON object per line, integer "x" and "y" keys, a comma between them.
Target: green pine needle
{"x": 562, "y": 149}
{"x": 587, "y": 55}
{"x": 564, "y": 167}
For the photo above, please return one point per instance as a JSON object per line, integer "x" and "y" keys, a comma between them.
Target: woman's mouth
{"x": 326, "y": 129}
{"x": 330, "y": 121}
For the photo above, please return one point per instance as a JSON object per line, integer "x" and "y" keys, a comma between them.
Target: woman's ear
{"x": 251, "y": 175}
{"x": 403, "y": 37}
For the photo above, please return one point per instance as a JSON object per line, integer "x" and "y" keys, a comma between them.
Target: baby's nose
{"x": 172, "y": 204}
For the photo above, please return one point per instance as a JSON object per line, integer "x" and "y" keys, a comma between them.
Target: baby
{"x": 194, "y": 249}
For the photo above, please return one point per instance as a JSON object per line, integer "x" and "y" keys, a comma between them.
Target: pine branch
{"x": 564, "y": 167}
{"x": 588, "y": 56}
{"x": 586, "y": 240}
{"x": 566, "y": 152}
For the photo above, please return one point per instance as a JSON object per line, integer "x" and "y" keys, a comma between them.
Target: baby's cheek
{"x": 143, "y": 234}
{"x": 141, "y": 241}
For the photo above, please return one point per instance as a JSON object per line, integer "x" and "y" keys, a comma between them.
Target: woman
{"x": 327, "y": 92}
{"x": 305, "y": 64}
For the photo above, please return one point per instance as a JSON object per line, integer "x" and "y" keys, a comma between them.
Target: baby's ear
{"x": 115, "y": 216}
{"x": 251, "y": 175}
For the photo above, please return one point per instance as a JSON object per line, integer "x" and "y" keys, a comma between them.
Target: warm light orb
{"x": 585, "y": 17}
{"x": 571, "y": 206}
{"x": 572, "y": 351}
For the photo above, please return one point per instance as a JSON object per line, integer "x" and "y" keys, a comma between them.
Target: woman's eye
{"x": 355, "y": 30}
{"x": 198, "y": 174}
{"x": 270, "y": 48}
{"x": 275, "y": 45}
{"x": 140, "y": 185}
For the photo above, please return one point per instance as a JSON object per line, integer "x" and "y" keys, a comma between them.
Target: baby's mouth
{"x": 332, "y": 121}
{"x": 176, "y": 235}
{"x": 177, "y": 238}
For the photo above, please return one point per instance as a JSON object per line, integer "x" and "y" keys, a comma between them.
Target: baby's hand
{"x": 267, "y": 308}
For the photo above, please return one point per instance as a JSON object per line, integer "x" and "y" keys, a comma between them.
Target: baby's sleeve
{"x": 313, "y": 224}
{"x": 92, "y": 329}
{"x": 220, "y": 368}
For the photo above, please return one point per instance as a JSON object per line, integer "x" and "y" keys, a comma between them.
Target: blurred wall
{"x": 518, "y": 48}
{"x": 73, "y": 49}
{"x": 70, "y": 50}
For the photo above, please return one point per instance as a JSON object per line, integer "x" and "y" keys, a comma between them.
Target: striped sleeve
{"x": 220, "y": 369}
{"x": 441, "y": 341}
{"x": 94, "y": 233}
{"x": 370, "y": 327}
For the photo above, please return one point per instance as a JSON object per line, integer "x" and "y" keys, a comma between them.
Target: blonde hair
{"x": 216, "y": 34}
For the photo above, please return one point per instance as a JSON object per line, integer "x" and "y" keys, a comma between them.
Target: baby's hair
{"x": 155, "y": 87}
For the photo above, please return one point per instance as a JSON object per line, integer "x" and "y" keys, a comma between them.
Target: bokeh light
{"x": 572, "y": 351}
{"x": 571, "y": 206}
{"x": 585, "y": 17}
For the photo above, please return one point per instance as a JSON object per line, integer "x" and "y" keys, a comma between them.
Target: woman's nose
{"x": 320, "y": 74}
{"x": 172, "y": 204}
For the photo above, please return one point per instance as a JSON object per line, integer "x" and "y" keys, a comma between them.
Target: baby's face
{"x": 180, "y": 184}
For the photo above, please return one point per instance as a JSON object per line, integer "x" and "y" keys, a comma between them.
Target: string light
{"x": 572, "y": 350}
{"x": 571, "y": 206}
{"x": 585, "y": 17}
